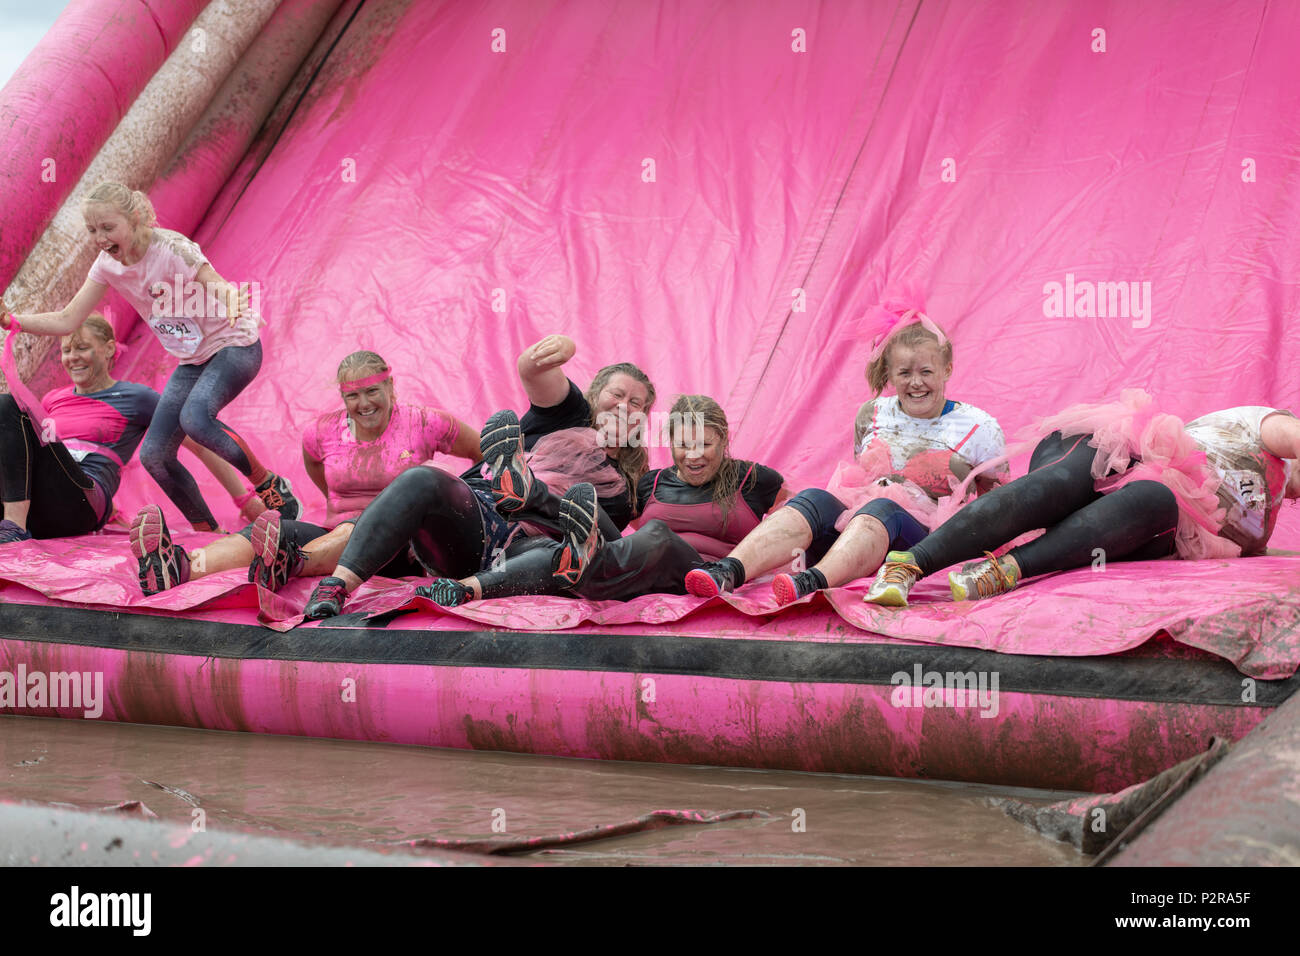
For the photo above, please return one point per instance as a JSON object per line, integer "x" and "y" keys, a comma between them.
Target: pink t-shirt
{"x": 188, "y": 319}
{"x": 357, "y": 471}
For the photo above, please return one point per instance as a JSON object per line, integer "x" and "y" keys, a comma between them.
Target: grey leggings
{"x": 189, "y": 406}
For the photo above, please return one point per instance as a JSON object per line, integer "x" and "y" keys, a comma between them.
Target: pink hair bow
{"x": 887, "y": 318}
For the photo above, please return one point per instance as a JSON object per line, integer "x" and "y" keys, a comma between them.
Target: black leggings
{"x": 61, "y": 494}
{"x": 1135, "y": 523}
{"x": 652, "y": 560}
{"x": 437, "y": 514}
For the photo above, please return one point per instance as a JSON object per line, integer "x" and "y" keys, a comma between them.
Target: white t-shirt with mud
{"x": 961, "y": 431}
{"x": 1252, "y": 481}
{"x": 189, "y": 320}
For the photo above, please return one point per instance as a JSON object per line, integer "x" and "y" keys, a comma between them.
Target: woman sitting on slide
{"x": 458, "y": 526}
{"x": 912, "y": 448}
{"x": 1121, "y": 479}
{"x": 351, "y": 454}
{"x": 697, "y": 509}
{"x": 64, "y": 486}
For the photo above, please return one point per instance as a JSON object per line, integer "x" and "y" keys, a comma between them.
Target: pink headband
{"x": 357, "y": 384}
{"x": 886, "y": 319}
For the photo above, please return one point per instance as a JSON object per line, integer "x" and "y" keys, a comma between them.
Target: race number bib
{"x": 179, "y": 336}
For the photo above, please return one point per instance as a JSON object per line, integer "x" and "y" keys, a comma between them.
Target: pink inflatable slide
{"x": 1091, "y": 196}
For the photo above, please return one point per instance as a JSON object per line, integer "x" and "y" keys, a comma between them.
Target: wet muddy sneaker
{"x": 580, "y": 527}
{"x": 9, "y": 531}
{"x": 894, "y": 580}
{"x": 445, "y": 592}
{"x": 326, "y": 600}
{"x": 275, "y": 558}
{"x": 714, "y": 577}
{"x": 502, "y": 444}
{"x": 981, "y": 579}
{"x": 277, "y": 494}
{"x": 162, "y": 565}
{"x": 788, "y": 588}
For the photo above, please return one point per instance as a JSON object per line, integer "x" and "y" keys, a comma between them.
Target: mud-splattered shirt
{"x": 357, "y": 471}
{"x": 1253, "y": 482}
{"x": 928, "y": 450}
{"x": 189, "y": 320}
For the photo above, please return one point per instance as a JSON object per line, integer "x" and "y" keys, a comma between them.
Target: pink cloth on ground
{"x": 357, "y": 471}
{"x": 1134, "y": 428}
{"x": 190, "y": 322}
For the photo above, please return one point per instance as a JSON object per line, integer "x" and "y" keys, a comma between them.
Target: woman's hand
{"x": 552, "y": 351}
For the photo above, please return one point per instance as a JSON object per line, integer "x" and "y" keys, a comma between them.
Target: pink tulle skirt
{"x": 1133, "y": 428}
{"x": 873, "y": 476}
{"x": 571, "y": 456}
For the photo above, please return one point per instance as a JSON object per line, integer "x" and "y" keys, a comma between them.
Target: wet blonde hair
{"x": 689, "y": 410}
{"x": 634, "y": 460}
{"x": 131, "y": 203}
{"x": 911, "y": 336}
{"x": 361, "y": 364}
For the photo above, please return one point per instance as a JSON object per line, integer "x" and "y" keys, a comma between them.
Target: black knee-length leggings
{"x": 651, "y": 560}
{"x": 1135, "y": 523}
{"x": 453, "y": 530}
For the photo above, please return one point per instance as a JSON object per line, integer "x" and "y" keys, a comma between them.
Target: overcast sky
{"x": 22, "y": 24}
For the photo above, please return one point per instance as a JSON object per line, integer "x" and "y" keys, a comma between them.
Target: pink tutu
{"x": 1133, "y": 428}
{"x": 571, "y": 456}
{"x": 873, "y": 476}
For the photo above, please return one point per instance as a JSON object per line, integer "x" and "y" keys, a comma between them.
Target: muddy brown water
{"x": 366, "y": 795}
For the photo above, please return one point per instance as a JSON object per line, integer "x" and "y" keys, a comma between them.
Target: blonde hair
{"x": 912, "y": 335}
{"x": 687, "y": 413}
{"x": 634, "y": 460}
{"x": 361, "y": 364}
{"x": 131, "y": 203}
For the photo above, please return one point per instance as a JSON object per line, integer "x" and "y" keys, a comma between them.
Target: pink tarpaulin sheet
{"x": 718, "y": 191}
{"x": 1256, "y": 625}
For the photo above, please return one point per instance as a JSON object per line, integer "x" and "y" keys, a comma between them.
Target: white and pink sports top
{"x": 357, "y": 471}
{"x": 188, "y": 319}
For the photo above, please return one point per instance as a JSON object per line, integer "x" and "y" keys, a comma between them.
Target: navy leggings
{"x": 453, "y": 530}
{"x": 1135, "y": 523}
{"x": 189, "y": 406}
{"x": 822, "y": 509}
{"x": 64, "y": 500}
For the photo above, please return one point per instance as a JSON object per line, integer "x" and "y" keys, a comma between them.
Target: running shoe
{"x": 981, "y": 579}
{"x": 580, "y": 528}
{"x": 894, "y": 580}
{"x": 502, "y": 444}
{"x": 275, "y": 558}
{"x": 277, "y": 494}
{"x": 10, "y": 531}
{"x": 445, "y": 592}
{"x": 326, "y": 600}
{"x": 788, "y": 588}
{"x": 162, "y": 565}
{"x": 712, "y": 578}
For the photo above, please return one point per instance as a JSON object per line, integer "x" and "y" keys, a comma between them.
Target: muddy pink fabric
{"x": 721, "y": 191}
{"x": 1078, "y": 614}
{"x": 571, "y": 456}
